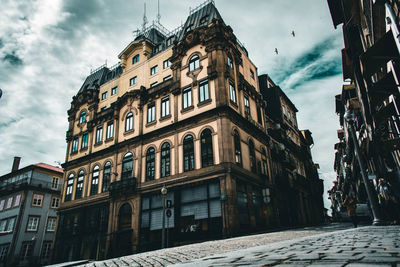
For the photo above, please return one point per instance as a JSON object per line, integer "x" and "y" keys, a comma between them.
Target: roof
{"x": 201, "y": 16}
{"x": 49, "y": 167}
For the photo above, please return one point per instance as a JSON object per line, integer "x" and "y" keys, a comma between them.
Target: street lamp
{"x": 164, "y": 192}
{"x": 349, "y": 117}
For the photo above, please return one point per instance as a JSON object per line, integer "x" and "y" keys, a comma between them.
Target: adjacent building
{"x": 183, "y": 111}
{"x": 29, "y": 198}
{"x": 368, "y": 105}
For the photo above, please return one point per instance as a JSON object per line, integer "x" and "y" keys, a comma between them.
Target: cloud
{"x": 13, "y": 59}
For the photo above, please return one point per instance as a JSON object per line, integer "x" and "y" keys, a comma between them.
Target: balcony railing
{"x": 122, "y": 186}
{"x": 27, "y": 181}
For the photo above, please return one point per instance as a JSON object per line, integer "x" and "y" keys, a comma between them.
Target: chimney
{"x": 15, "y": 166}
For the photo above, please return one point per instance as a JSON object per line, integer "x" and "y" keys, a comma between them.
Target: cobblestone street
{"x": 332, "y": 245}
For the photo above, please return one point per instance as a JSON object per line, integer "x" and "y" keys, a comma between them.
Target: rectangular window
{"x": 251, "y": 74}
{"x": 246, "y": 106}
{"x": 10, "y": 224}
{"x": 232, "y": 92}
{"x": 46, "y": 249}
{"x": 84, "y": 143}
{"x": 259, "y": 117}
{"x": 204, "y": 93}
{"x": 3, "y": 225}
{"x": 104, "y": 95}
{"x": 114, "y": 90}
{"x": 75, "y": 144}
{"x": 4, "y": 251}
{"x": 26, "y": 250}
{"x": 165, "y": 106}
{"x": 54, "y": 183}
{"x": 17, "y": 200}
{"x": 51, "y": 224}
{"x": 33, "y": 224}
{"x": 37, "y": 200}
{"x": 9, "y": 202}
{"x": 151, "y": 112}
{"x": 169, "y": 77}
{"x": 166, "y": 64}
{"x": 187, "y": 97}
{"x": 110, "y": 130}
{"x": 2, "y": 204}
{"x": 154, "y": 70}
{"x": 99, "y": 134}
{"x": 55, "y": 202}
{"x": 133, "y": 81}
{"x": 153, "y": 84}
{"x": 135, "y": 59}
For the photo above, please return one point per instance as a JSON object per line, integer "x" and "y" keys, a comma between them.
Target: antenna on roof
{"x": 144, "y": 18}
{"x": 158, "y": 14}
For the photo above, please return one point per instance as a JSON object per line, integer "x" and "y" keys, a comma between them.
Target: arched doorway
{"x": 124, "y": 232}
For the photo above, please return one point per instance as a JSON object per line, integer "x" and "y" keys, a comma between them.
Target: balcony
{"x": 122, "y": 187}
{"x": 287, "y": 161}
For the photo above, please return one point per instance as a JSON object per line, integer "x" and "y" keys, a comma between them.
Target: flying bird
{"x": 294, "y": 35}
{"x": 276, "y": 50}
{"x": 1, "y": 92}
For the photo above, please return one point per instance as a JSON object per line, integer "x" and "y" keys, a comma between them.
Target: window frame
{"x": 110, "y": 130}
{"x": 69, "y": 187}
{"x": 150, "y": 164}
{"x": 28, "y": 223}
{"x": 229, "y": 60}
{"x": 39, "y": 200}
{"x": 206, "y": 146}
{"x": 232, "y": 92}
{"x": 165, "y": 107}
{"x": 128, "y": 158}
{"x": 82, "y": 116}
{"x": 99, "y": 134}
{"x": 188, "y": 153}
{"x": 165, "y": 160}
{"x": 53, "y": 219}
{"x": 251, "y": 73}
{"x": 238, "y": 148}
{"x": 151, "y": 112}
{"x": 106, "y": 177}
{"x": 252, "y": 157}
{"x": 75, "y": 144}
{"x": 79, "y": 184}
{"x": 204, "y": 91}
{"x": 56, "y": 200}
{"x": 135, "y": 59}
{"x": 129, "y": 122}
{"x": 166, "y": 63}
{"x": 114, "y": 90}
{"x": 104, "y": 95}
{"x": 154, "y": 70}
{"x": 133, "y": 81}
{"x": 94, "y": 183}
{"x": 246, "y": 103}
{"x": 194, "y": 63}
{"x": 85, "y": 140}
{"x": 187, "y": 100}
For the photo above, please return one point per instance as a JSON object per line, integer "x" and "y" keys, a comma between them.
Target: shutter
{"x": 215, "y": 208}
{"x": 156, "y": 201}
{"x": 156, "y": 220}
{"x": 145, "y": 203}
{"x": 213, "y": 190}
{"x": 187, "y": 210}
{"x": 200, "y": 210}
{"x": 145, "y": 219}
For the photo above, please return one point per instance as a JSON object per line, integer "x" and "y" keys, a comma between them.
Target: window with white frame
{"x": 165, "y": 106}
{"x": 75, "y": 144}
{"x": 9, "y": 202}
{"x": 51, "y": 224}
{"x": 246, "y": 106}
{"x": 10, "y": 224}
{"x": 104, "y": 95}
{"x": 3, "y": 225}
{"x": 169, "y": 77}
{"x": 46, "y": 249}
{"x": 82, "y": 117}
{"x": 187, "y": 97}
{"x": 166, "y": 64}
{"x": 204, "y": 93}
{"x": 99, "y": 134}
{"x": 110, "y": 130}
{"x": 135, "y": 59}
{"x": 151, "y": 112}
{"x": 129, "y": 122}
{"x": 33, "y": 223}
{"x": 85, "y": 137}
{"x": 55, "y": 182}
{"x": 154, "y": 70}
{"x": 232, "y": 92}
{"x": 37, "y": 200}
{"x": 55, "y": 202}
{"x": 17, "y": 200}
{"x": 153, "y": 84}
{"x": 133, "y": 81}
{"x": 194, "y": 63}
{"x": 114, "y": 90}
{"x": 70, "y": 184}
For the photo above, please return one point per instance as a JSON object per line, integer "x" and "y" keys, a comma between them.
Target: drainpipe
{"x": 372, "y": 197}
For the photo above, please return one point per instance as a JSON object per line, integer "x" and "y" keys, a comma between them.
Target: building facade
{"x": 183, "y": 110}
{"x": 368, "y": 105}
{"x": 29, "y": 198}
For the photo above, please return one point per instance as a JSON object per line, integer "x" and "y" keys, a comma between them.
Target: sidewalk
{"x": 327, "y": 246}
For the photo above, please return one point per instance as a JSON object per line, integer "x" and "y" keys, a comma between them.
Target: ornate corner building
{"x": 183, "y": 111}
{"x": 368, "y": 105}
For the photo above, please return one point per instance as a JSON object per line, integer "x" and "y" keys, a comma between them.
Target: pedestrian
{"x": 350, "y": 203}
{"x": 388, "y": 201}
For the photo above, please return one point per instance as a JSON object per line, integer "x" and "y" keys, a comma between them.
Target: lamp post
{"x": 349, "y": 117}
{"x": 164, "y": 192}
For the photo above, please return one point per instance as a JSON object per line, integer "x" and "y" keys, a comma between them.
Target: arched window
{"x": 129, "y": 122}
{"x": 252, "y": 155}
{"x": 230, "y": 61}
{"x": 165, "y": 160}
{"x": 238, "y": 150}
{"x": 188, "y": 153}
{"x": 127, "y": 166}
{"x": 194, "y": 63}
{"x": 125, "y": 217}
{"x": 206, "y": 148}
{"x": 70, "y": 184}
{"x": 79, "y": 185}
{"x": 264, "y": 163}
{"x": 82, "y": 116}
{"x": 95, "y": 180}
{"x": 150, "y": 163}
{"x": 106, "y": 176}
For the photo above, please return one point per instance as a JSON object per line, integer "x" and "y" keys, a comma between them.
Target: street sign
{"x": 168, "y": 212}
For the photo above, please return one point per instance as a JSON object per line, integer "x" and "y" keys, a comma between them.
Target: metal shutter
{"x": 215, "y": 208}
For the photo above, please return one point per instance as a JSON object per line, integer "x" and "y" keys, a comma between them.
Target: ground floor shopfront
{"x": 220, "y": 205}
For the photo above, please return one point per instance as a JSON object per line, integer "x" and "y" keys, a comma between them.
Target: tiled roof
{"x": 49, "y": 167}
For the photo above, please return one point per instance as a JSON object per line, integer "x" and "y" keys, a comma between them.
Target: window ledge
{"x": 233, "y": 103}
{"x": 204, "y": 103}
{"x": 129, "y": 132}
{"x": 151, "y": 123}
{"x": 109, "y": 140}
{"x": 187, "y": 109}
{"x": 74, "y": 152}
{"x": 98, "y": 143}
{"x": 83, "y": 149}
{"x": 165, "y": 118}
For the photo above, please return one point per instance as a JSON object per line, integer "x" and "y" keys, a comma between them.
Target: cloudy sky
{"x": 47, "y": 48}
